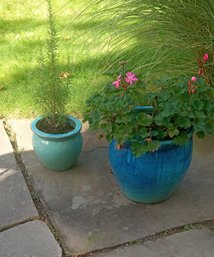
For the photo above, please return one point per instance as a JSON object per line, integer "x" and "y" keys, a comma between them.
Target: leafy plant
{"x": 177, "y": 107}
{"x": 52, "y": 92}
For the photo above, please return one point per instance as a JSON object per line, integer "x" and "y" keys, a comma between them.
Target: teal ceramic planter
{"x": 57, "y": 152}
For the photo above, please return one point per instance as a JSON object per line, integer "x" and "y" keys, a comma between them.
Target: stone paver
{"x": 16, "y": 204}
{"x": 88, "y": 208}
{"x": 194, "y": 243}
{"x": 15, "y": 201}
{"x": 32, "y": 239}
{"x": 7, "y": 160}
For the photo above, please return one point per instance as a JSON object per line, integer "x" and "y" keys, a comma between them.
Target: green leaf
{"x": 154, "y": 133}
{"x": 144, "y": 119}
{"x": 200, "y": 134}
{"x": 183, "y": 122}
{"x": 144, "y": 133}
{"x": 173, "y": 132}
{"x": 181, "y": 139}
{"x": 139, "y": 148}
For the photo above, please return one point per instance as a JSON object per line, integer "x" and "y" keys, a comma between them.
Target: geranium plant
{"x": 175, "y": 109}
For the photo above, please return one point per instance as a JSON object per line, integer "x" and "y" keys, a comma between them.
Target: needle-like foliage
{"x": 52, "y": 93}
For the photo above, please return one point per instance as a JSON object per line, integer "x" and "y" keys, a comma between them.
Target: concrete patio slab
{"x": 15, "y": 201}
{"x": 32, "y": 239}
{"x": 89, "y": 210}
{"x": 195, "y": 243}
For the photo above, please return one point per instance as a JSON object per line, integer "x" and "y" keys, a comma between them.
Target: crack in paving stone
{"x": 18, "y": 223}
{"x": 94, "y": 149}
{"x": 43, "y": 213}
{"x": 4, "y": 171}
{"x": 162, "y": 234}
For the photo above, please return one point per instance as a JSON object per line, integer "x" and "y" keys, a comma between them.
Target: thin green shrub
{"x": 52, "y": 92}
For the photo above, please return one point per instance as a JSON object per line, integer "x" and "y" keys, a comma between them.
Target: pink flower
{"x": 194, "y": 79}
{"x": 130, "y": 78}
{"x": 117, "y": 82}
{"x": 205, "y": 57}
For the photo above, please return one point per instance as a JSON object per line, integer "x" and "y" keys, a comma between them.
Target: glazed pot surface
{"x": 57, "y": 152}
{"x": 153, "y": 176}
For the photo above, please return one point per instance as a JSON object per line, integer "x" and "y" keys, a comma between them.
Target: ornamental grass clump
{"x": 173, "y": 110}
{"x": 166, "y": 36}
{"x": 53, "y": 85}
{"x": 188, "y": 27}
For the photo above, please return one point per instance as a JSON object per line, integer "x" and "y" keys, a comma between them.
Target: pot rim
{"x": 78, "y": 127}
{"x": 165, "y": 142}
{"x": 170, "y": 141}
{"x": 143, "y": 108}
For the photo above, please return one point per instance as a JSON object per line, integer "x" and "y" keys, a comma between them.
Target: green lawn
{"x": 23, "y": 32}
{"x": 84, "y": 39}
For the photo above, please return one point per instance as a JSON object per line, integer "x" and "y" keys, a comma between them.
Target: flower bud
{"x": 194, "y": 79}
{"x": 205, "y": 57}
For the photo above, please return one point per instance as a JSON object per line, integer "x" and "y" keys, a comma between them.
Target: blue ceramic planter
{"x": 154, "y": 176}
{"x": 57, "y": 152}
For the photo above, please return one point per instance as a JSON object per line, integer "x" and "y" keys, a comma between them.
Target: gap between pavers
{"x": 91, "y": 213}
{"x": 197, "y": 243}
{"x": 16, "y": 205}
{"x": 20, "y": 235}
{"x": 30, "y": 239}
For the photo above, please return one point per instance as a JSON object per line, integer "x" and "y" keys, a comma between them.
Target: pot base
{"x": 154, "y": 199}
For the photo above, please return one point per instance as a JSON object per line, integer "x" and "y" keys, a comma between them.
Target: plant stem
{"x": 52, "y": 52}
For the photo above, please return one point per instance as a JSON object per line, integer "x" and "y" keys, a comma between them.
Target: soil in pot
{"x": 46, "y": 126}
